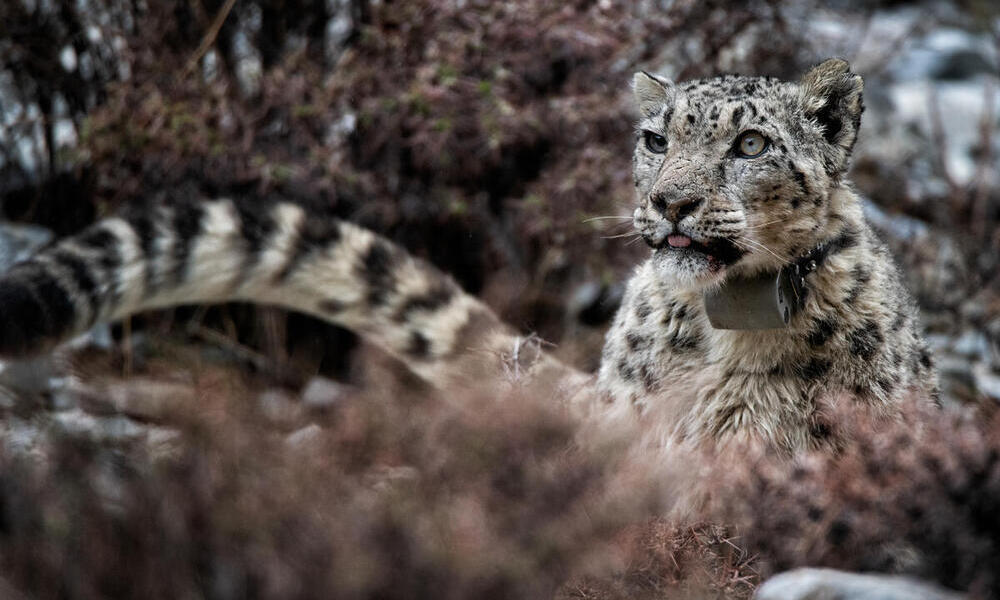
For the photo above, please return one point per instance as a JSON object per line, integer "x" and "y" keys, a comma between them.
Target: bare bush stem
{"x": 209, "y": 39}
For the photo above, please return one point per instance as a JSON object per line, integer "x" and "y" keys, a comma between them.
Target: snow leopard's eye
{"x": 655, "y": 142}
{"x": 751, "y": 144}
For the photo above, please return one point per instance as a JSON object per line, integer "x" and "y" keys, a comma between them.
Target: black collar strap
{"x": 771, "y": 299}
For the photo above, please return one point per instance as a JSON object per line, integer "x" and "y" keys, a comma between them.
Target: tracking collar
{"x": 771, "y": 299}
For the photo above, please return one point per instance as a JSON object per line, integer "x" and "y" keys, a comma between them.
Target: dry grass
{"x": 664, "y": 559}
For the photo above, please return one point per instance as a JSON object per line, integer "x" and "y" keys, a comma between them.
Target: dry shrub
{"x": 920, "y": 497}
{"x": 403, "y": 492}
{"x": 384, "y": 499}
{"x": 667, "y": 559}
{"x": 395, "y": 490}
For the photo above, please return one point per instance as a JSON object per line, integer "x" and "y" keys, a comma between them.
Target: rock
{"x": 164, "y": 442}
{"x": 341, "y": 130}
{"x": 974, "y": 309}
{"x": 594, "y": 303}
{"x": 987, "y": 381}
{"x": 29, "y": 376}
{"x": 900, "y": 227}
{"x": 114, "y": 429}
{"x": 829, "y": 584}
{"x": 956, "y": 378}
{"x": 938, "y": 343}
{"x": 941, "y": 71}
{"x": 945, "y": 53}
{"x": 934, "y": 263}
{"x": 8, "y": 398}
{"x": 144, "y": 398}
{"x": 972, "y": 344}
{"x": 583, "y": 297}
{"x": 18, "y": 242}
{"x": 339, "y": 28}
{"x": 99, "y": 337}
{"x": 321, "y": 392}
{"x": 279, "y": 406}
{"x": 963, "y": 64}
{"x": 249, "y": 67}
{"x": 63, "y": 394}
{"x": 304, "y": 437}
{"x": 22, "y": 437}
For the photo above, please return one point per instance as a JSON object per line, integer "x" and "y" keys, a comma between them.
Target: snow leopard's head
{"x": 736, "y": 173}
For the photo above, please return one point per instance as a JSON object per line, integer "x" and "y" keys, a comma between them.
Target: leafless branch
{"x": 940, "y": 154}
{"x": 985, "y": 165}
{"x": 210, "y": 36}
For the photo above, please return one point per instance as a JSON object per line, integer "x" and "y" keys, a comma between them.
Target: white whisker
{"x": 762, "y": 225}
{"x": 602, "y": 218}
{"x": 762, "y": 246}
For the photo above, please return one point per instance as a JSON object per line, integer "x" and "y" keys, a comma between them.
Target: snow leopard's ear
{"x": 651, "y": 93}
{"x": 831, "y": 97}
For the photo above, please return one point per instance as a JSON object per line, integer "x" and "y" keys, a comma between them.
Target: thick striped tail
{"x": 222, "y": 250}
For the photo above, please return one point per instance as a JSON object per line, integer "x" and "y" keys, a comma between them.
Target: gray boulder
{"x": 830, "y": 584}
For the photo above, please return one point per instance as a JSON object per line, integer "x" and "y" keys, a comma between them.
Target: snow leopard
{"x": 735, "y": 177}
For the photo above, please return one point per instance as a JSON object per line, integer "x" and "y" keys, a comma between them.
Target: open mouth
{"x": 718, "y": 251}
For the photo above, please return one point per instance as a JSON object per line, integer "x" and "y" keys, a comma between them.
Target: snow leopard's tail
{"x": 223, "y": 250}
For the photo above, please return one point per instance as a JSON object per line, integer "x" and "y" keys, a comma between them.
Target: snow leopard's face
{"x": 735, "y": 173}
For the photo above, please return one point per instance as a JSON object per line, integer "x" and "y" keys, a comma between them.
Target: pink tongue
{"x": 678, "y": 241}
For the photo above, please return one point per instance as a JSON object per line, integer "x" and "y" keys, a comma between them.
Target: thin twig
{"x": 940, "y": 155}
{"x": 985, "y": 166}
{"x": 240, "y": 351}
{"x": 127, "y": 358}
{"x": 209, "y": 39}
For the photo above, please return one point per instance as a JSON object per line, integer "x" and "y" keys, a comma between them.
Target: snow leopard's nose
{"x": 675, "y": 209}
